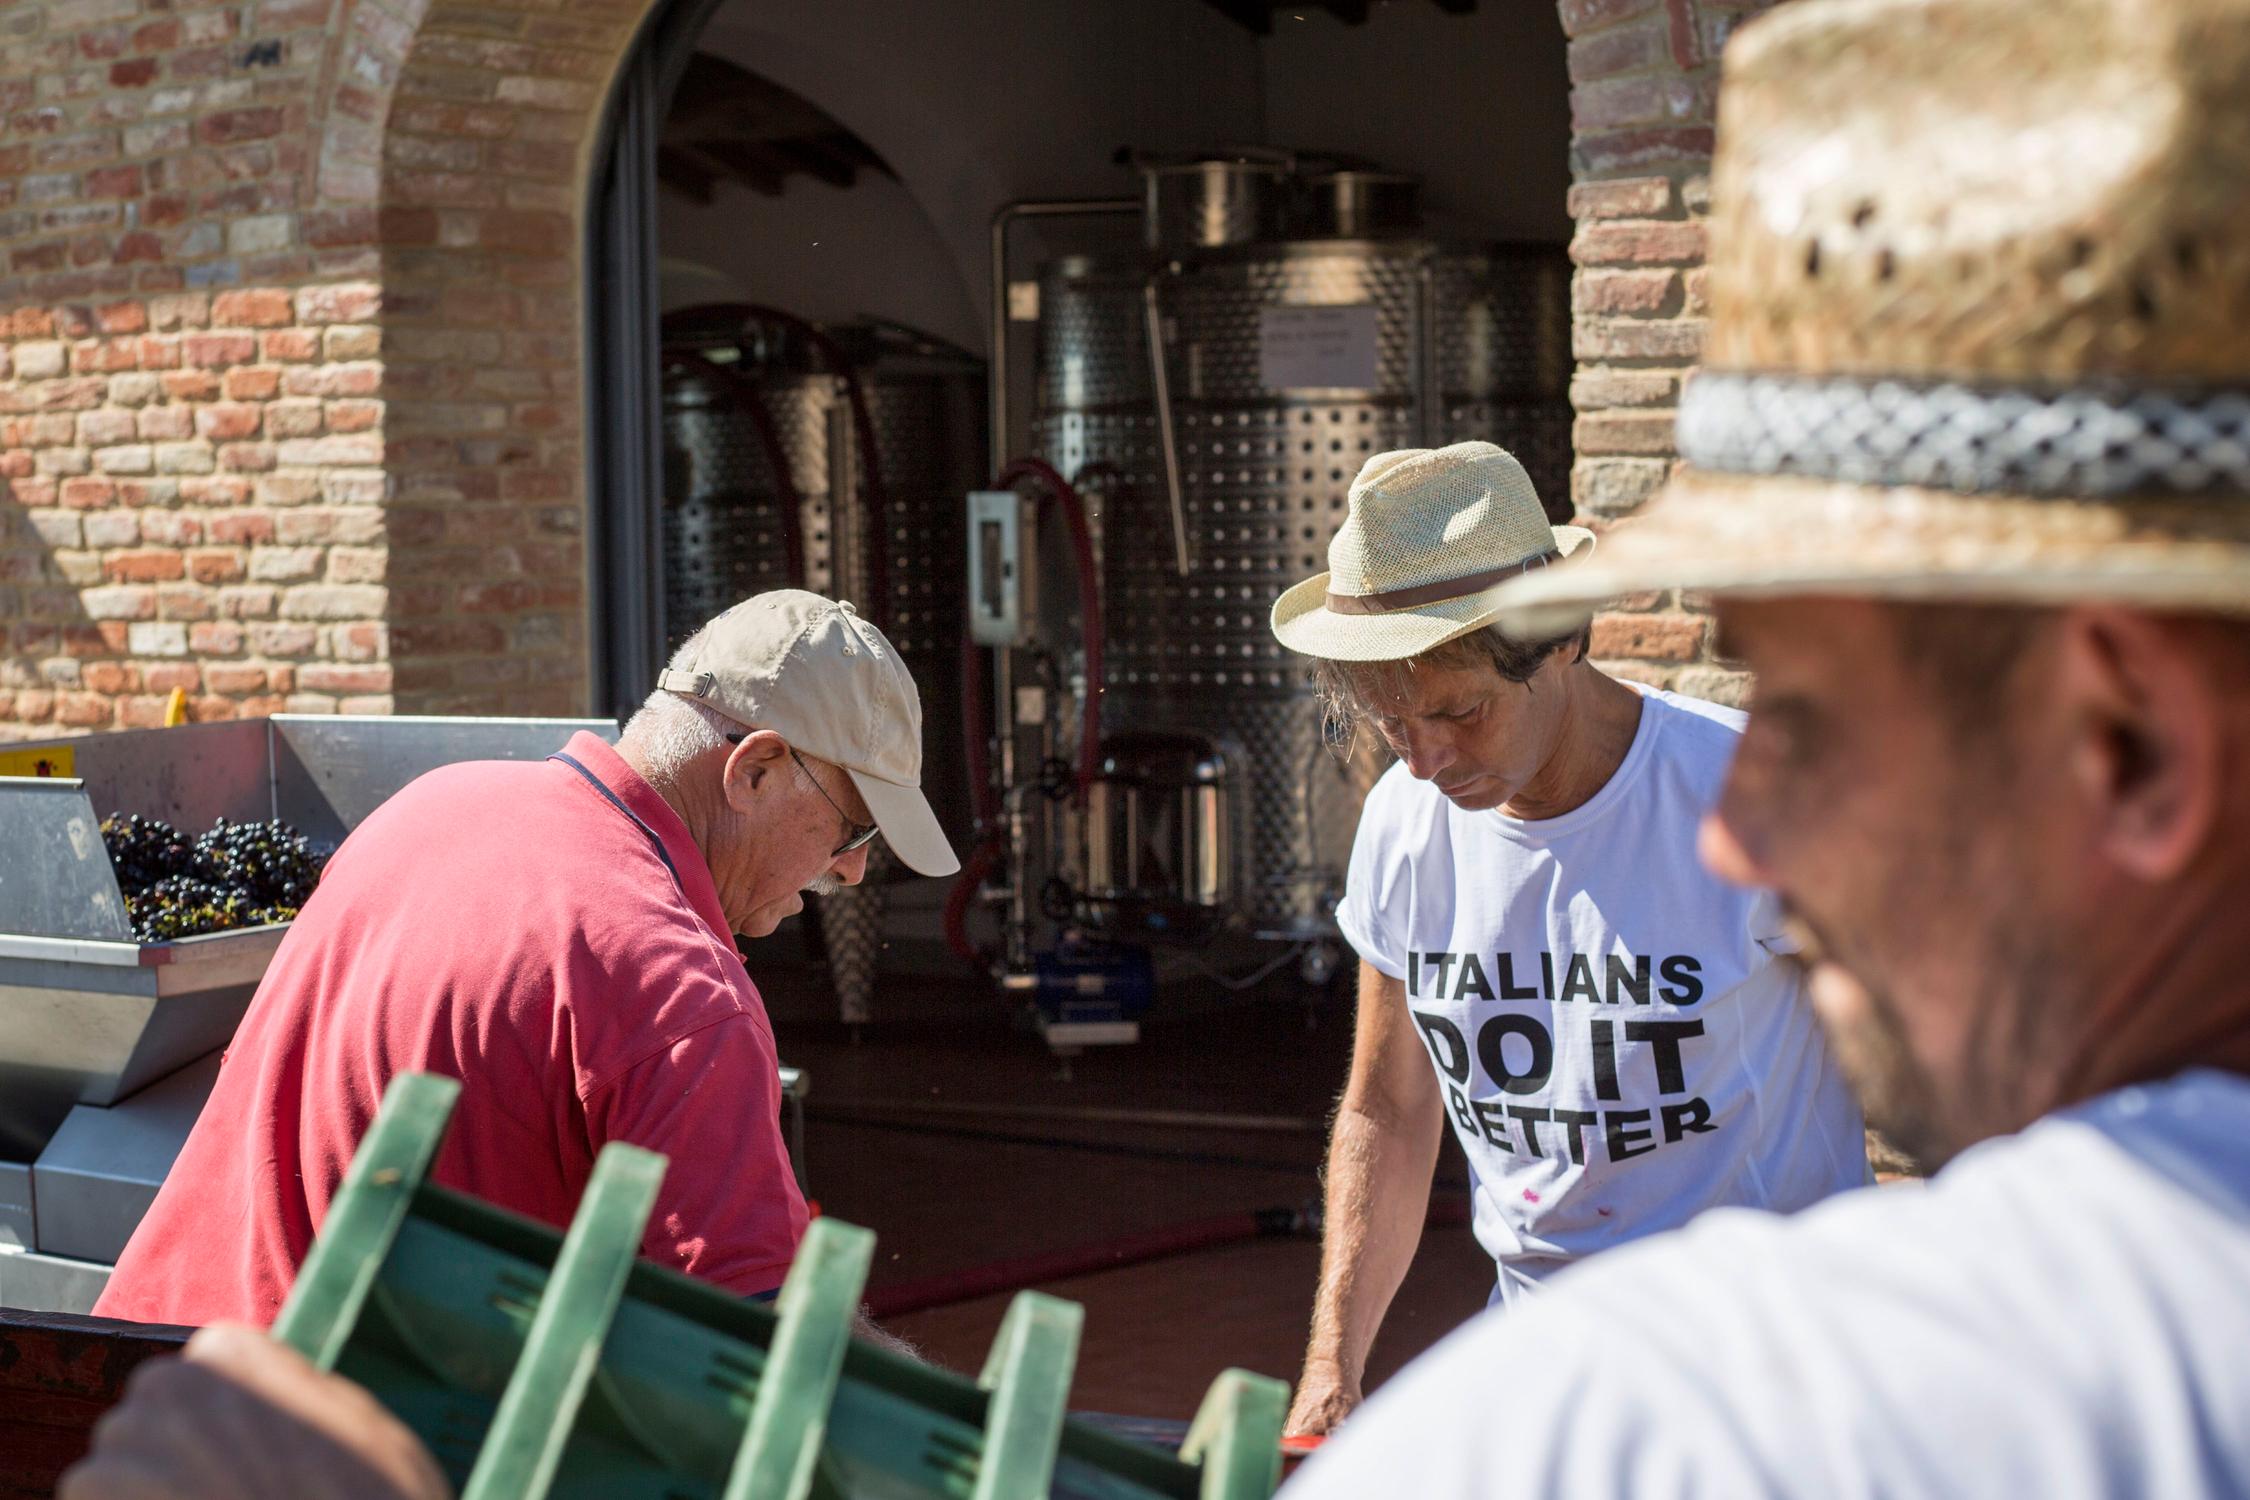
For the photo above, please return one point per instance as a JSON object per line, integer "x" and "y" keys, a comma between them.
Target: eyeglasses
{"x": 858, "y": 835}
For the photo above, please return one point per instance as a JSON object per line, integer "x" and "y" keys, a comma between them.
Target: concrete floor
{"x": 944, "y": 1194}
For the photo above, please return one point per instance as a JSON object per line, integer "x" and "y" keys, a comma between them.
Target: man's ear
{"x": 2147, "y": 739}
{"x": 748, "y": 765}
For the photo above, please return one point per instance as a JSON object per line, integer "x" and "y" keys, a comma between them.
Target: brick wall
{"x": 289, "y": 343}
{"x": 288, "y": 355}
{"x": 1644, "y": 78}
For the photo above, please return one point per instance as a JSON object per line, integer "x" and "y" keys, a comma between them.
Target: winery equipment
{"x": 831, "y": 458}
{"x": 1207, "y": 401}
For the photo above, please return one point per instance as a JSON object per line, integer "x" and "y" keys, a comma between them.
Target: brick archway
{"x": 291, "y": 398}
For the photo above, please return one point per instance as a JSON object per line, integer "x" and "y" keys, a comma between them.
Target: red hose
{"x": 975, "y": 717}
{"x": 965, "y": 886}
{"x": 1079, "y": 1260}
{"x": 1050, "y": 1266}
{"x": 746, "y": 395}
{"x": 1090, "y": 623}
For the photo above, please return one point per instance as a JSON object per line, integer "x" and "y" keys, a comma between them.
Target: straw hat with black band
{"x": 1431, "y": 536}
{"x": 1979, "y": 284}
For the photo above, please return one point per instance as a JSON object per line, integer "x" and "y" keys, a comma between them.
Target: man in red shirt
{"x": 558, "y": 936}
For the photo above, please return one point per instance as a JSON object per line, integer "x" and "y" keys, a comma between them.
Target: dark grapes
{"x": 236, "y": 875}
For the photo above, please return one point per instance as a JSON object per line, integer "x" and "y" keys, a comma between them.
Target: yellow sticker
{"x": 58, "y": 760}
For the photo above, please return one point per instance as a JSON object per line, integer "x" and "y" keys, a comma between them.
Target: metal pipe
{"x": 1426, "y": 357}
{"x": 1035, "y": 208}
{"x": 1160, "y": 390}
{"x": 1004, "y": 676}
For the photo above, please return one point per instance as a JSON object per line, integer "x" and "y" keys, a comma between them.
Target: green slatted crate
{"x": 537, "y": 1364}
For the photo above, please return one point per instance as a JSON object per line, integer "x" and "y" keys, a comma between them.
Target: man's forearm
{"x": 1378, "y": 1194}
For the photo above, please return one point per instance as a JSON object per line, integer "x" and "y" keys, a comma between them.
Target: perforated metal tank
{"x": 724, "y": 536}
{"x": 1467, "y": 342}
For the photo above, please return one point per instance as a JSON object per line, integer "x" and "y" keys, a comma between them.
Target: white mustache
{"x": 826, "y": 885}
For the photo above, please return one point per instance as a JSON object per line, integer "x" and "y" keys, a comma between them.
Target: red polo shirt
{"x": 513, "y": 926}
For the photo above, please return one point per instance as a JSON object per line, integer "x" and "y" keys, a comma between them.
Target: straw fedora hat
{"x": 1431, "y": 536}
{"x": 1979, "y": 288}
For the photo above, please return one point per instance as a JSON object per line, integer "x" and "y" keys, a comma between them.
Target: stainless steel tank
{"x": 770, "y": 427}
{"x": 1288, "y": 366}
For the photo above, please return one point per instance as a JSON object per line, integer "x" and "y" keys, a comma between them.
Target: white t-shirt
{"x": 1617, "y": 1048}
{"x": 2063, "y": 1313}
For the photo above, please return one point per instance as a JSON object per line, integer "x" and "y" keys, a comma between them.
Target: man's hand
{"x": 1324, "y": 1398}
{"x": 240, "y": 1416}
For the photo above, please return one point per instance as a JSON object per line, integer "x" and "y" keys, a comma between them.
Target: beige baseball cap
{"x": 815, "y": 673}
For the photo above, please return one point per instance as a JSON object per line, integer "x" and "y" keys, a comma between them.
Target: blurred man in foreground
{"x": 1971, "y": 484}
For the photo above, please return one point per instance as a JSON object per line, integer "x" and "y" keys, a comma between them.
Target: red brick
{"x": 88, "y": 493}
{"x": 110, "y": 677}
{"x": 133, "y": 74}
{"x": 242, "y": 528}
{"x": 234, "y": 679}
{"x": 1595, "y": 388}
{"x": 1676, "y": 339}
{"x": 112, "y": 182}
{"x": 1658, "y": 99}
{"x": 251, "y": 383}
{"x": 105, "y": 356}
{"x": 1641, "y": 294}
{"x": 217, "y": 638}
{"x": 182, "y": 675}
{"x": 226, "y": 421}
{"x": 148, "y": 565}
{"x": 1621, "y": 151}
{"x": 1621, "y": 198}
{"x": 83, "y": 710}
{"x": 159, "y": 423}
{"x": 1650, "y": 637}
{"x": 192, "y": 385}
{"x": 293, "y": 345}
{"x": 260, "y": 308}
{"x": 1582, "y": 16}
{"x": 216, "y": 350}
{"x": 323, "y": 678}
{"x": 1638, "y": 242}
{"x": 1624, "y": 49}
{"x": 329, "y": 228}
{"x": 354, "y": 416}
{"x": 350, "y": 302}
{"x": 1614, "y": 486}
{"x": 184, "y": 601}
{"x": 143, "y": 713}
{"x": 1623, "y": 434}
{"x": 215, "y": 567}
{"x": 122, "y": 317}
{"x": 228, "y": 126}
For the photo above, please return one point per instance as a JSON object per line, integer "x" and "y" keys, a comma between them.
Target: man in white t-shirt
{"x": 1970, "y": 481}
{"x": 1544, "y": 963}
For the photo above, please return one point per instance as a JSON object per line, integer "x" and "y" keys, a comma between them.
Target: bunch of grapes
{"x": 236, "y": 875}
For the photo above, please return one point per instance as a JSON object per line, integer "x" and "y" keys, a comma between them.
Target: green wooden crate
{"x": 536, "y": 1364}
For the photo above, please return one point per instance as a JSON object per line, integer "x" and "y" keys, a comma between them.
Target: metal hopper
{"x": 88, "y": 1015}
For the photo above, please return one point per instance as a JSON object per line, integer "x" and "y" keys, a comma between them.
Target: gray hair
{"x": 1351, "y": 692}
{"x": 670, "y": 731}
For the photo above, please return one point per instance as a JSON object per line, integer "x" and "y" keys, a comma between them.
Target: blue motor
{"x": 1081, "y": 983}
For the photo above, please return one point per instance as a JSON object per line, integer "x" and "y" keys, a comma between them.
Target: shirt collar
{"x": 598, "y": 756}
